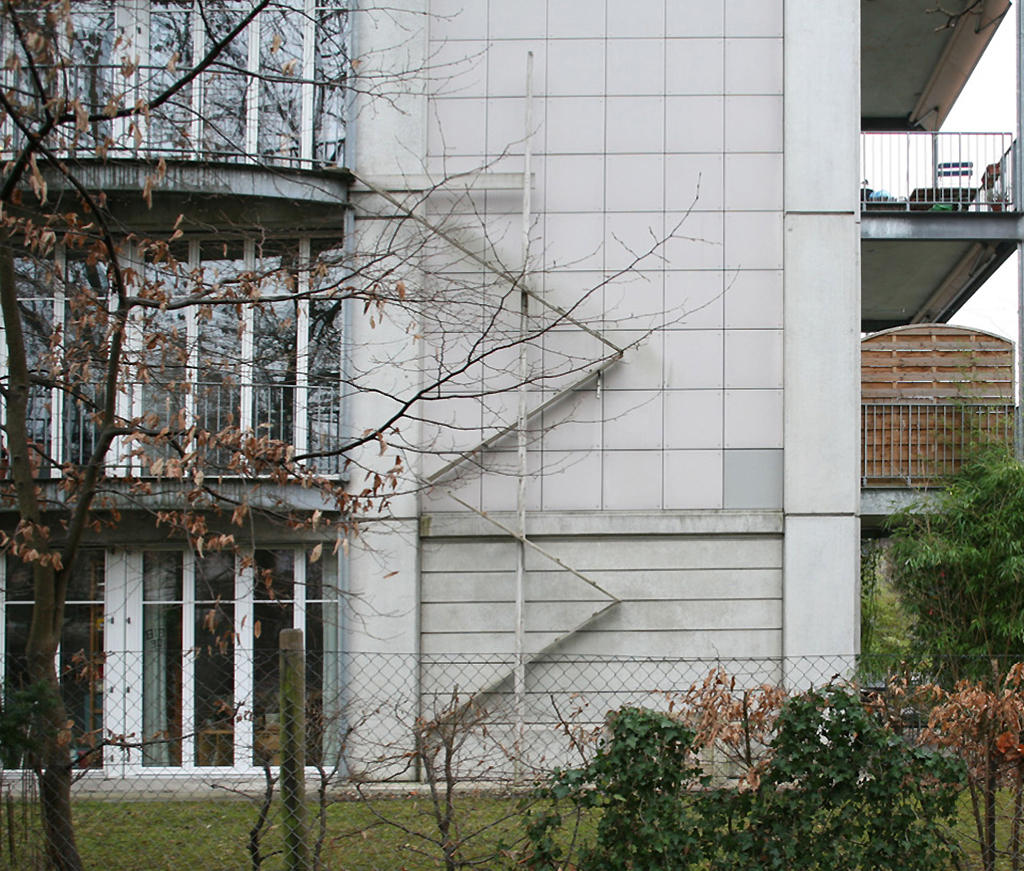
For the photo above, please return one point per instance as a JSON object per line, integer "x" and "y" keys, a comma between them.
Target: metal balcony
{"x": 214, "y": 407}
{"x": 939, "y": 215}
{"x": 916, "y": 444}
{"x": 937, "y": 172}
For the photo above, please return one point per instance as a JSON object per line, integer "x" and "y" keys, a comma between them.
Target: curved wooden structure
{"x": 928, "y": 393}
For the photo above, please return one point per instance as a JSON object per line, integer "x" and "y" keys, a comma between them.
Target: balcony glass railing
{"x": 937, "y": 172}
{"x": 914, "y": 444}
{"x": 275, "y": 95}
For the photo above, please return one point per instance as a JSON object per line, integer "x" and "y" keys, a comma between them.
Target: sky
{"x": 987, "y": 104}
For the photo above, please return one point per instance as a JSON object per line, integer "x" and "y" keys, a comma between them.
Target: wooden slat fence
{"x": 930, "y": 393}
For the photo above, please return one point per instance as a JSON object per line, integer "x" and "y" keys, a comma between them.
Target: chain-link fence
{"x": 182, "y": 762}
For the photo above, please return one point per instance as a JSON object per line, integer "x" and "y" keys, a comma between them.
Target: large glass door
{"x": 205, "y": 655}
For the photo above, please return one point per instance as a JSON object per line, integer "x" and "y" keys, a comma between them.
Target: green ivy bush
{"x": 642, "y": 783}
{"x": 837, "y": 790}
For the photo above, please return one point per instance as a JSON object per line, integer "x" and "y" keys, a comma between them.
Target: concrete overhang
{"x": 916, "y": 56}
{"x": 209, "y": 196}
{"x": 877, "y": 504}
{"x": 167, "y": 494}
{"x": 922, "y": 267}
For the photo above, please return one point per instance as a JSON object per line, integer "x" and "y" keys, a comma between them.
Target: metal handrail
{"x": 936, "y": 172}
{"x": 915, "y": 444}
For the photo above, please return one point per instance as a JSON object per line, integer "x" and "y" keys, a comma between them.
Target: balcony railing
{"x": 274, "y": 96}
{"x": 916, "y": 444}
{"x": 937, "y": 172}
{"x": 274, "y": 413}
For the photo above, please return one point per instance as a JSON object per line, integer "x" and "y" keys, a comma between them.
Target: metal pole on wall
{"x": 1018, "y": 180}
{"x": 1018, "y": 185}
{"x": 524, "y": 312}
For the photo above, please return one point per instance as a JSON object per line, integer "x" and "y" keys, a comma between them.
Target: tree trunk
{"x": 53, "y": 765}
{"x": 988, "y": 858}
{"x": 1018, "y": 813}
{"x": 51, "y": 757}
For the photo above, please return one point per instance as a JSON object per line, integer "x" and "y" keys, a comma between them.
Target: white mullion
{"x": 244, "y": 586}
{"x": 188, "y": 661}
{"x": 123, "y": 400}
{"x": 117, "y": 606}
{"x": 140, "y": 43}
{"x": 192, "y": 336}
{"x": 130, "y": 576}
{"x": 198, "y": 48}
{"x": 56, "y": 394}
{"x": 300, "y": 434}
{"x": 299, "y": 594}
{"x": 252, "y": 95}
{"x": 65, "y": 141}
{"x": 308, "y": 73}
{"x": 245, "y": 398}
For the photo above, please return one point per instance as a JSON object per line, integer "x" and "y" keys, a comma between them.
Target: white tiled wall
{"x": 657, "y": 147}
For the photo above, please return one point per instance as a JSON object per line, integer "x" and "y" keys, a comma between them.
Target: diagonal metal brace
{"x": 516, "y": 281}
{"x": 588, "y": 376}
{"x": 493, "y": 686}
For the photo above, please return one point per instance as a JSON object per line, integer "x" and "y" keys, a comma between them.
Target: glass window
{"x": 330, "y": 74}
{"x": 161, "y": 657}
{"x": 226, "y": 85}
{"x": 280, "y": 121}
{"x": 170, "y": 54}
{"x": 81, "y": 656}
{"x": 326, "y": 318}
{"x": 273, "y": 610}
{"x": 85, "y": 353}
{"x": 274, "y": 350}
{"x": 213, "y": 659}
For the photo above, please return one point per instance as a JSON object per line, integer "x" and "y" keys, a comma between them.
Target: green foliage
{"x": 839, "y": 790}
{"x": 641, "y": 781}
{"x": 884, "y": 643}
{"x": 958, "y": 564}
{"x": 21, "y": 710}
{"x": 842, "y": 791}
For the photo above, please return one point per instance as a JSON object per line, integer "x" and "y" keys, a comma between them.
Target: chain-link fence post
{"x": 293, "y": 749}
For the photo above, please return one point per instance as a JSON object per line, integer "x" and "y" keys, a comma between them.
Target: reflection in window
{"x": 280, "y": 103}
{"x": 170, "y": 52}
{"x": 161, "y": 657}
{"x": 247, "y": 105}
{"x": 35, "y": 282}
{"x": 85, "y": 353}
{"x": 81, "y": 648}
{"x": 325, "y": 383}
{"x": 213, "y": 659}
{"x": 226, "y": 85}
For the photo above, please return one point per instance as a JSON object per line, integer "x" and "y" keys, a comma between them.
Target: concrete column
{"x": 821, "y": 345}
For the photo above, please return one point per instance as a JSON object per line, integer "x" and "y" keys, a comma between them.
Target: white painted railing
{"x": 937, "y": 172}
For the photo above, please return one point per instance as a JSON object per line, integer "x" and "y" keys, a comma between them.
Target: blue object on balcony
{"x": 955, "y": 169}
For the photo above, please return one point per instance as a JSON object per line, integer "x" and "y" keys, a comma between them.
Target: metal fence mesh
{"x": 180, "y": 766}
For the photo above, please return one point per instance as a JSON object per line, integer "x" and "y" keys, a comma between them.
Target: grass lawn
{"x": 382, "y": 834}
{"x": 373, "y": 835}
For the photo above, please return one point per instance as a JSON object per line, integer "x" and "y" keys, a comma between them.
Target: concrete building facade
{"x": 620, "y": 248}
{"x": 696, "y": 164}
